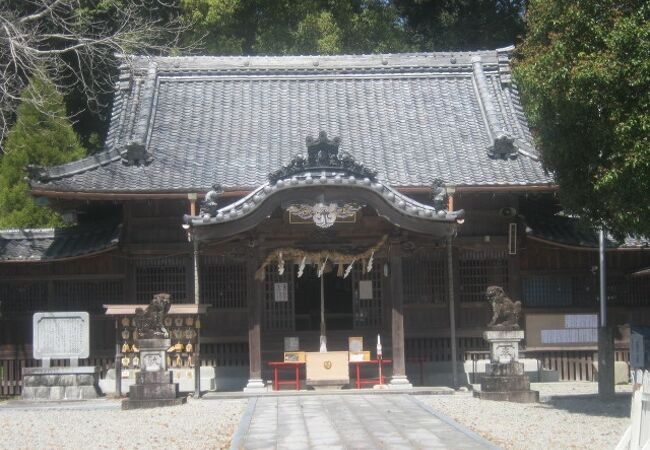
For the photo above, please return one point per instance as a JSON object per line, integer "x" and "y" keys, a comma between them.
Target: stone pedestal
{"x": 154, "y": 384}
{"x": 504, "y": 377}
{"x": 255, "y": 385}
{"x": 60, "y": 383}
{"x": 504, "y": 344}
{"x": 400, "y": 382}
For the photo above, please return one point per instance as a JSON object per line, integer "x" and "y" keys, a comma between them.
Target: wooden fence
{"x": 637, "y": 435}
{"x": 571, "y": 365}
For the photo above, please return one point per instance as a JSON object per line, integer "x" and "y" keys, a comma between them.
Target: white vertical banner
{"x": 365, "y": 289}
{"x": 281, "y": 293}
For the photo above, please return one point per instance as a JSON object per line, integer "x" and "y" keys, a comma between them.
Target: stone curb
{"x": 244, "y": 424}
{"x": 290, "y": 393}
{"x": 466, "y": 431}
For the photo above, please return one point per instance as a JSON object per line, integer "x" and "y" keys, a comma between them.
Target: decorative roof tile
{"x": 39, "y": 245}
{"x": 413, "y": 118}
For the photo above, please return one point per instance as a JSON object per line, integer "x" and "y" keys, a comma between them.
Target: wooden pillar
{"x": 253, "y": 294}
{"x": 399, "y": 379}
{"x": 452, "y": 313}
{"x": 193, "y": 290}
{"x": 196, "y": 296}
{"x": 118, "y": 360}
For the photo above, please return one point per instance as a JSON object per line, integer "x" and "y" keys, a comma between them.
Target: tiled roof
{"x": 51, "y": 244}
{"x": 183, "y": 124}
{"x": 570, "y": 231}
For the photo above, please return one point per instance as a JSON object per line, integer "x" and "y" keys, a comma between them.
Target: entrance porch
{"x": 322, "y": 244}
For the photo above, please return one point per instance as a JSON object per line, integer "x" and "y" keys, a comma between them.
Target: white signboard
{"x": 637, "y": 352}
{"x": 281, "y": 292}
{"x": 570, "y": 336}
{"x": 291, "y": 343}
{"x": 581, "y": 321}
{"x": 365, "y": 289}
{"x": 61, "y": 335}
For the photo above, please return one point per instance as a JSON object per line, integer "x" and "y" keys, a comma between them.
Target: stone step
{"x": 152, "y": 403}
{"x": 156, "y": 377}
{"x": 508, "y": 369}
{"x": 510, "y": 396}
{"x": 505, "y": 383}
{"x": 153, "y": 391}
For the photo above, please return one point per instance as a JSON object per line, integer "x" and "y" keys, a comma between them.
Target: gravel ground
{"x": 206, "y": 424}
{"x": 570, "y": 416}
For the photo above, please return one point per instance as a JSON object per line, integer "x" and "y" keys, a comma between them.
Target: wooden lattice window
{"x": 279, "y": 315}
{"x": 86, "y": 295}
{"x": 225, "y": 354}
{"x": 557, "y": 290}
{"x": 628, "y": 291}
{"x": 425, "y": 278}
{"x": 155, "y": 275}
{"x": 479, "y": 269}
{"x": 23, "y": 296}
{"x": 223, "y": 283}
{"x": 367, "y": 312}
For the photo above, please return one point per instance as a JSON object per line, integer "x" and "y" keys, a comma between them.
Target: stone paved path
{"x": 349, "y": 422}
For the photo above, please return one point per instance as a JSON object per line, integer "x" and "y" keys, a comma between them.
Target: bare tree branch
{"x": 76, "y": 49}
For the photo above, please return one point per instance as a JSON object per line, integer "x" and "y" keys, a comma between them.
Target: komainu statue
{"x": 505, "y": 312}
{"x": 149, "y": 322}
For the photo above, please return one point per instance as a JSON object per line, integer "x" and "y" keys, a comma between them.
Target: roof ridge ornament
{"x": 37, "y": 172}
{"x": 136, "y": 154}
{"x": 211, "y": 203}
{"x": 502, "y": 147}
{"x": 322, "y": 150}
{"x": 439, "y": 194}
{"x": 322, "y": 153}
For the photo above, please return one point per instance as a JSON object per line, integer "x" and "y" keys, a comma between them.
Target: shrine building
{"x": 310, "y": 196}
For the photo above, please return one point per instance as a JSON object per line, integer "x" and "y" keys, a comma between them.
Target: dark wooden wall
{"x": 154, "y": 255}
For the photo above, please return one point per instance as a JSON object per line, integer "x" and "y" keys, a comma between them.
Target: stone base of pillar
{"x": 255, "y": 385}
{"x": 400, "y": 382}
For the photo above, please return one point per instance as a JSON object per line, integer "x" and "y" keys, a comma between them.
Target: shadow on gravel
{"x": 591, "y": 405}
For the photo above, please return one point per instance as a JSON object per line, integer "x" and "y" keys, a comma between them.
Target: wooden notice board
{"x": 561, "y": 330}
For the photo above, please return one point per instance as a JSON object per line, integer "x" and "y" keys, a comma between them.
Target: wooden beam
{"x": 239, "y": 192}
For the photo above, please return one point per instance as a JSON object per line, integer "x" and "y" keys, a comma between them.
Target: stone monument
{"x": 504, "y": 377}
{"x": 154, "y": 384}
{"x": 61, "y": 335}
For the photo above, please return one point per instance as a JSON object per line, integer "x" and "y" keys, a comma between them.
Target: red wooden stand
{"x": 277, "y": 365}
{"x": 370, "y": 381}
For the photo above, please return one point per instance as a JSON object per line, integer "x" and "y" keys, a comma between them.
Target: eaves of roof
{"x": 570, "y": 233}
{"x": 55, "y": 244}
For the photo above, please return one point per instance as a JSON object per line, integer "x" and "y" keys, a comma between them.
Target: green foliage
{"x": 442, "y": 25}
{"x": 295, "y": 26}
{"x": 352, "y": 26}
{"x": 584, "y": 71}
{"x": 41, "y": 136}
